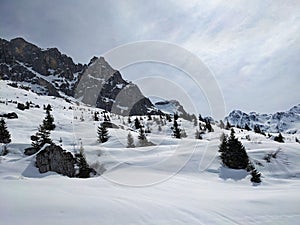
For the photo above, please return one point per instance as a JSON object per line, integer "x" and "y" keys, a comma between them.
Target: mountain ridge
{"x": 49, "y": 72}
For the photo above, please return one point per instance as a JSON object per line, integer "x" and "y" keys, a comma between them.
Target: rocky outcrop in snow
{"x": 54, "y": 158}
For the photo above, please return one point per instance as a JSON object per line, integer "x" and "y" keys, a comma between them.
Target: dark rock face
{"x": 54, "y": 158}
{"x": 30, "y": 151}
{"x": 21, "y": 61}
{"x": 104, "y": 87}
{"x": 48, "y": 72}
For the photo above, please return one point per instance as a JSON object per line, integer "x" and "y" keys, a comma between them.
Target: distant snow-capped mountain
{"x": 49, "y": 72}
{"x": 287, "y": 122}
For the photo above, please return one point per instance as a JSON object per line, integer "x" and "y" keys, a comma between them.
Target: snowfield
{"x": 174, "y": 182}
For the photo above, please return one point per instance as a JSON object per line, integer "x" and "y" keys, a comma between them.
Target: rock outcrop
{"x": 54, "y": 158}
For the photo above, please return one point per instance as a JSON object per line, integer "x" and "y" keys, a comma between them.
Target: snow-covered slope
{"x": 174, "y": 182}
{"x": 287, "y": 122}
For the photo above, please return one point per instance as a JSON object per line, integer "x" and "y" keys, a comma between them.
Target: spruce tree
{"x": 130, "y": 141}
{"x": 102, "y": 133}
{"x": 176, "y": 129}
{"x": 41, "y": 138}
{"x": 279, "y": 138}
{"x": 255, "y": 176}
{"x": 48, "y": 122}
{"x": 137, "y": 123}
{"x": 233, "y": 153}
{"x": 84, "y": 168}
{"x": 142, "y": 137}
{"x": 4, "y": 133}
{"x": 222, "y": 125}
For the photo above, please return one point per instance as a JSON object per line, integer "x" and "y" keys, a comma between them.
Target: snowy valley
{"x": 173, "y": 181}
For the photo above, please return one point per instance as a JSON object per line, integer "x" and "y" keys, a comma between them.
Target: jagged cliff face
{"x": 104, "y": 87}
{"x": 287, "y": 122}
{"x": 48, "y": 69}
{"x": 49, "y": 72}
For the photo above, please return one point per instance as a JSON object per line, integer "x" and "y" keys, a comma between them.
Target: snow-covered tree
{"x": 255, "y": 176}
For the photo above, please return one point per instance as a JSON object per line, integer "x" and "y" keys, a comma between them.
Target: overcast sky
{"x": 251, "y": 47}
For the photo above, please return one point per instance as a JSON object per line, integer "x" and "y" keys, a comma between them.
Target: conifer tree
{"x": 4, "y": 133}
{"x": 130, "y": 141}
{"x": 176, "y": 129}
{"x": 255, "y": 176}
{"x": 228, "y": 125}
{"x": 41, "y": 138}
{"x": 96, "y": 118}
{"x": 142, "y": 137}
{"x": 84, "y": 168}
{"x": 102, "y": 133}
{"x": 233, "y": 153}
{"x": 129, "y": 120}
{"x": 48, "y": 122}
{"x": 137, "y": 123}
{"x": 279, "y": 138}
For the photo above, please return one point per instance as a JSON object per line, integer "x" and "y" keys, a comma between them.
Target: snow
{"x": 173, "y": 182}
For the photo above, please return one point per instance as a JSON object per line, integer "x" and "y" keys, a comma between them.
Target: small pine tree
{"x": 279, "y": 138}
{"x": 84, "y": 168}
{"x": 159, "y": 128}
{"x": 49, "y": 108}
{"x": 297, "y": 140}
{"x": 142, "y": 137}
{"x": 130, "y": 141}
{"x": 201, "y": 118}
{"x": 102, "y": 133}
{"x": 208, "y": 126}
{"x": 41, "y": 138}
{"x": 176, "y": 129}
{"x": 255, "y": 176}
{"x": 48, "y": 122}
{"x": 96, "y": 118}
{"x": 137, "y": 123}
{"x": 4, "y": 133}
{"x": 197, "y": 134}
{"x": 129, "y": 120}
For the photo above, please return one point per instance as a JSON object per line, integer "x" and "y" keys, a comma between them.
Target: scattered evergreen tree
{"x": 297, "y": 140}
{"x": 41, "y": 138}
{"x": 195, "y": 121}
{"x": 137, "y": 123}
{"x": 4, "y": 133}
{"x": 142, "y": 137}
{"x": 168, "y": 118}
{"x": 159, "y": 128}
{"x": 175, "y": 128}
{"x": 102, "y": 133}
{"x": 198, "y": 135}
{"x": 255, "y": 176}
{"x": 149, "y": 117}
{"x": 201, "y": 118}
{"x": 96, "y": 118}
{"x": 279, "y": 138}
{"x": 48, "y": 122}
{"x": 233, "y": 153}
{"x": 208, "y": 125}
{"x": 130, "y": 141}
{"x": 129, "y": 120}
{"x": 84, "y": 168}
{"x": 49, "y": 108}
